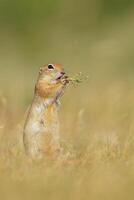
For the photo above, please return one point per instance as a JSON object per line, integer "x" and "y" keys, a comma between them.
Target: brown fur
{"x": 41, "y": 130}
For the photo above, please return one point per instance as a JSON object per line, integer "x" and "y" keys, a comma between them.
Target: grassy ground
{"x": 97, "y": 117}
{"x": 97, "y": 125}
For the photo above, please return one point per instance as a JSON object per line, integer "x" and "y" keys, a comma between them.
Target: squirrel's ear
{"x": 40, "y": 71}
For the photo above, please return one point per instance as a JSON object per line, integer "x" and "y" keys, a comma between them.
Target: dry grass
{"x": 97, "y": 118}
{"x": 98, "y": 145}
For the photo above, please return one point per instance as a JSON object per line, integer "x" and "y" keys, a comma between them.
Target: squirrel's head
{"x": 50, "y": 80}
{"x": 51, "y": 73}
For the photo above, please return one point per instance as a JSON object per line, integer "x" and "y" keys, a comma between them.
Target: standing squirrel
{"x": 41, "y": 129}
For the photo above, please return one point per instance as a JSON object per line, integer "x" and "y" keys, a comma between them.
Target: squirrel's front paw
{"x": 64, "y": 80}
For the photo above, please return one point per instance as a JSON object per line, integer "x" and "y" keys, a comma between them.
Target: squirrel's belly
{"x": 39, "y": 132}
{"x": 33, "y": 135}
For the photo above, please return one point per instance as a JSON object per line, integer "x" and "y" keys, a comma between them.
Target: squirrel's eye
{"x": 50, "y": 66}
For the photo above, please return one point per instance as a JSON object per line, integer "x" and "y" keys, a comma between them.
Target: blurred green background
{"x": 92, "y": 36}
{"x": 95, "y": 37}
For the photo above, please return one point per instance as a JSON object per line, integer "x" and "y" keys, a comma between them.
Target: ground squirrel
{"x": 41, "y": 129}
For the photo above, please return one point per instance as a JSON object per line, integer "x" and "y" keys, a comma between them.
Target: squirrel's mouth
{"x": 60, "y": 76}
